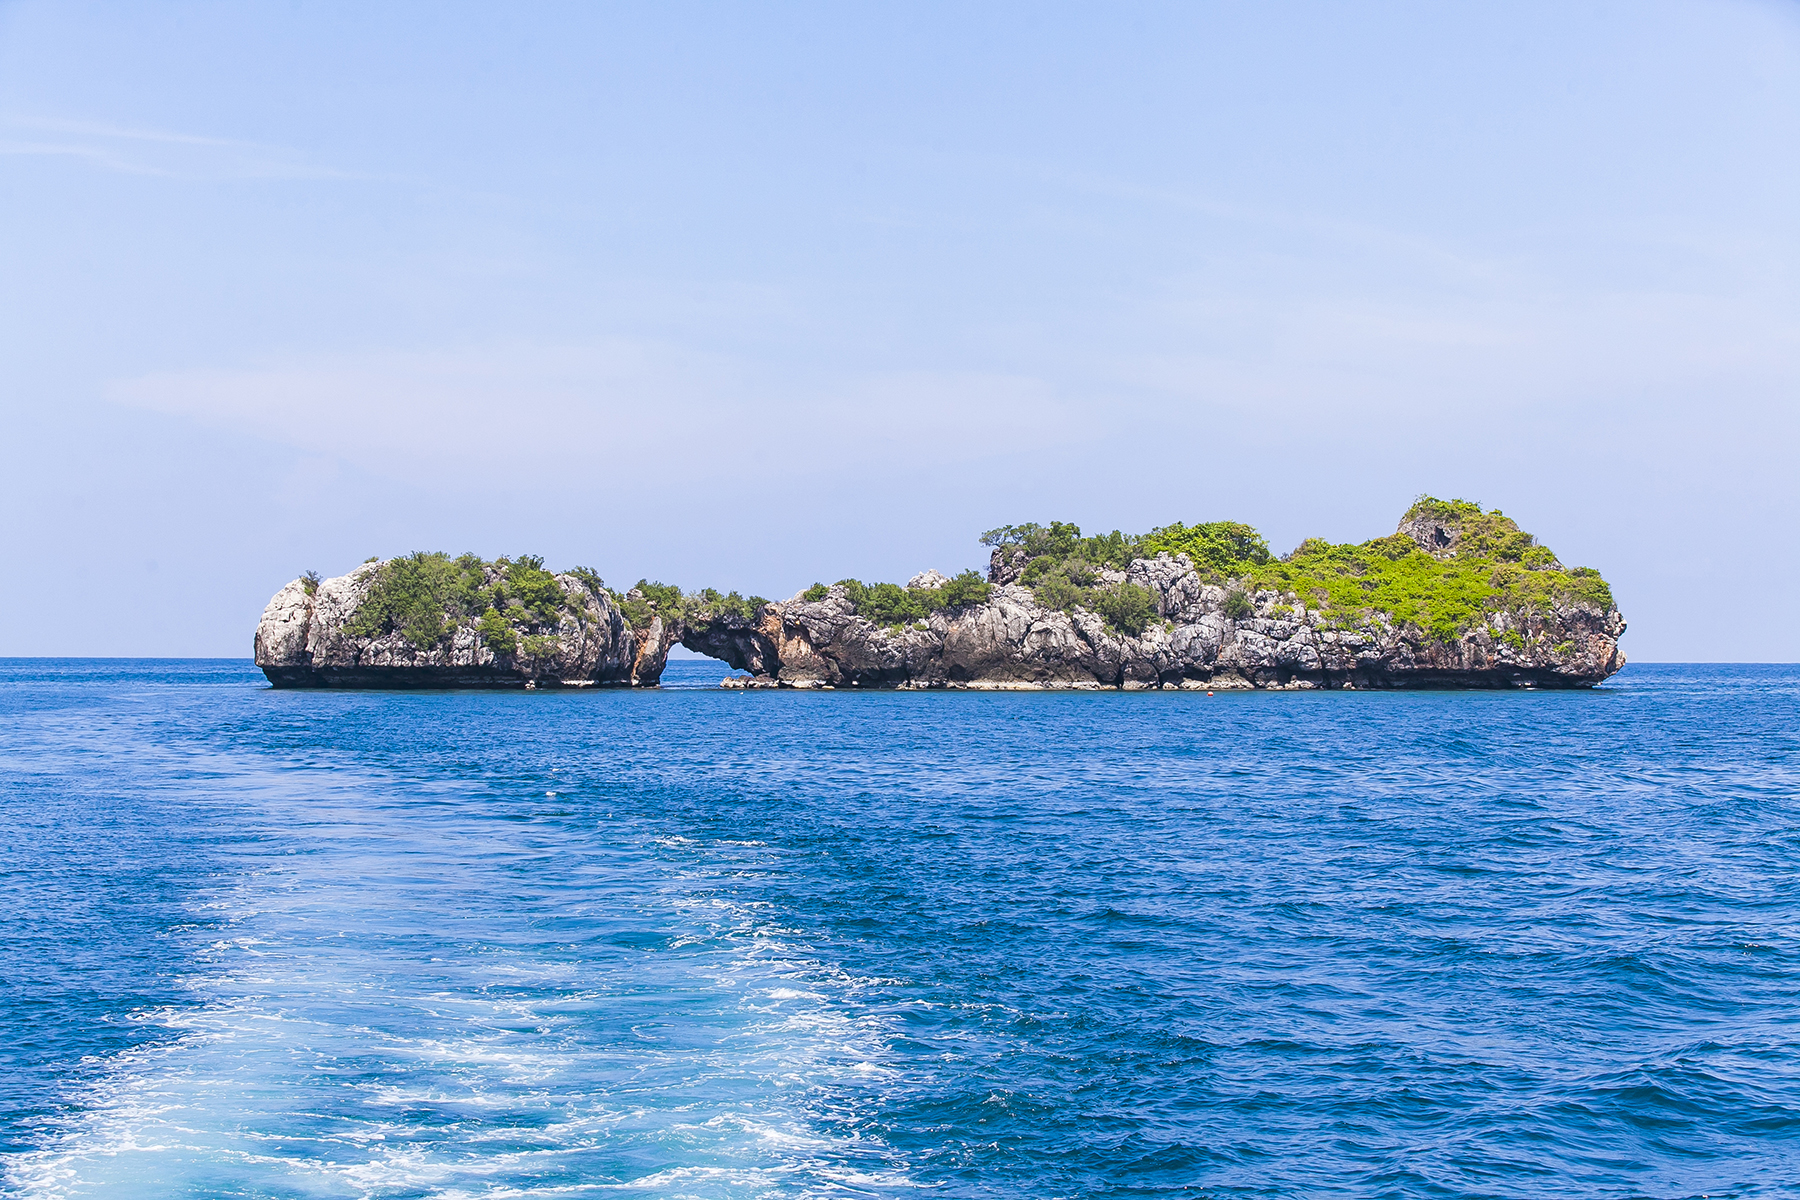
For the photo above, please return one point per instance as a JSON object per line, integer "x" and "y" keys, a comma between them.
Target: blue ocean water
{"x": 724, "y": 944}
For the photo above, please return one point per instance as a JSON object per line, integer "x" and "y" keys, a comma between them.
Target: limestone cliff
{"x": 1533, "y": 624}
{"x": 1012, "y": 641}
{"x": 408, "y": 623}
{"x": 1456, "y": 598}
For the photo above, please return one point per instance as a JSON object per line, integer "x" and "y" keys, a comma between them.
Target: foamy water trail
{"x": 398, "y": 1004}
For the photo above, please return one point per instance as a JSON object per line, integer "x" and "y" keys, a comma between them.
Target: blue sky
{"x": 753, "y": 296}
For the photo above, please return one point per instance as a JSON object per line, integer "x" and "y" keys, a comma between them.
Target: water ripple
{"x": 695, "y": 943}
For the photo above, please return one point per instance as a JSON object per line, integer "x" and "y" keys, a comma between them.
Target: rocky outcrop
{"x": 1011, "y": 641}
{"x": 305, "y": 640}
{"x": 1208, "y": 632}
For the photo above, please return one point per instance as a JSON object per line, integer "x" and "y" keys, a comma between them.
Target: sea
{"x": 694, "y": 942}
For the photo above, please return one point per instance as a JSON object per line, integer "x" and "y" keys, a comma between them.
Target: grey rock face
{"x": 1006, "y": 564}
{"x": 302, "y": 642}
{"x": 1435, "y": 536}
{"x": 1008, "y": 640}
{"x": 1011, "y": 641}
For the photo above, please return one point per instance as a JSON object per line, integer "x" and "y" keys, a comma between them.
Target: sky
{"x": 749, "y": 296}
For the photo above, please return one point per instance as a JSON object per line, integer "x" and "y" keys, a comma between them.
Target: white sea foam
{"x": 373, "y": 1022}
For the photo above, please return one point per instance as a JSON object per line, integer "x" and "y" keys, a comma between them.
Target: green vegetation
{"x": 540, "y": 646}
{"x": 530, "y": 587}
{"x": 1388, "y": 575}
{"x": 1486, "y": 565}
{"x": 1491, "y": 566}
{"x": 590, "y": 579}
{"x": 643, "y": 603}
{"x": 962, "y": 589}
{"x": 648, "y": 600}
{"x": 516, "y": 605}
{"x": 413, "y": 595}
{"x": 497, "y": 633}
{"x": 663, "y": 596}
{"x": 707, "y": 603}
{"x": 891, "y": 604}
{"x": 1216, "y": 546}
{"x": 1062, "y": 569}
{"x": 424, "y": 596}
{"x": 311, "y": 581}
{"x": 1061, "y": 541}
{"x": 1124, "y": 606}
{"x": 883, "y": 603}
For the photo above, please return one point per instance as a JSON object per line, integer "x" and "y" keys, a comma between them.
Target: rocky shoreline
{"x": 1197, "y": 627}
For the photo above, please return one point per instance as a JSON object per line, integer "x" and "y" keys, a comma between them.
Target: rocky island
{"x": 1457, "y": 597}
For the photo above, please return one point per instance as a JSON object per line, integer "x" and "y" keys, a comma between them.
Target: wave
{"x": 402, "y": 1009}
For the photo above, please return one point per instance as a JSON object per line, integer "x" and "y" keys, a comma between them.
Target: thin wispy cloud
{"x": 120, "y": 132}
{"x": 165, "y": 153}
{"x": 407, "y": 414}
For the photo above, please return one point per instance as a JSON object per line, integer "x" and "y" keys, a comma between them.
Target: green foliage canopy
{"x": 1126, "y": 607}
{"x": 962, "y": 589}
{"x": 534, "y": 589}
{"x": 1217, "y": 546}
{"x": 1061, "y": 541}
{"x": 891, "y": 604}
{"x": 1062, "y": 569}
{"x": 648, "y": 600}
{"x": 425, "y": 595}
{"x": 414, "y": 594}
{"x": 1491, "y": 566}
{"x": 497, "y": 633}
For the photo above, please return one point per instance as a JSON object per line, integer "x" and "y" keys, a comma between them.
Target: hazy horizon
{"x": 749, "y": 299}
